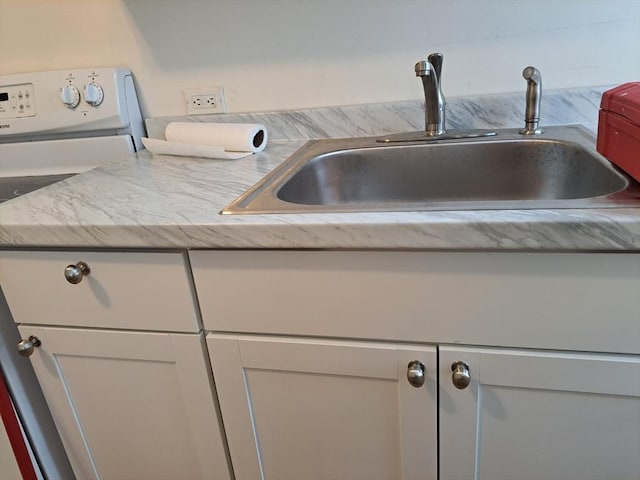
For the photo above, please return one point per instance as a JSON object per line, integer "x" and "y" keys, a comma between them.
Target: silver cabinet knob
{"x": 415, "y": 373}
{"x": 25, "y": 347}
{"x": 74, "y": 273}
{"x": 460, "y": 376}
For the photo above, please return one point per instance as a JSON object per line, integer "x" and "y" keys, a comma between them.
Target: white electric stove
{"x": 57, "y": 123}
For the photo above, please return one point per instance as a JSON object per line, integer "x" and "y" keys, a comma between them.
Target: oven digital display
{"x": 4, "y": 96}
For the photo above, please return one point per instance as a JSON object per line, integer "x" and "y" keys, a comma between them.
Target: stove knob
{"x": 70, "y": 96}
{"x": 93, "y": 94}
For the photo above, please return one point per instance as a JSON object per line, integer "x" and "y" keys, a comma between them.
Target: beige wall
{"x": 8, "y": 464}
{"x": 278, "y": 54}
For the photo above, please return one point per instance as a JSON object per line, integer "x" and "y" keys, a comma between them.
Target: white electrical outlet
{"x": 206, "y": 100}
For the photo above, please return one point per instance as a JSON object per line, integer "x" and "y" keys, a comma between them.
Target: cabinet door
{"x": 540, "y": 415}
{"x": 298, "y": 409}
{"x": 131, "y": 405}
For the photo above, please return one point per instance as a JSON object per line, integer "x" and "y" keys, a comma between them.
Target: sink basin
{"x": 558, "y": 169}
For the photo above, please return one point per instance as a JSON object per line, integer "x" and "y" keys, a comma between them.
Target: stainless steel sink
{"x": 558, "y": 169}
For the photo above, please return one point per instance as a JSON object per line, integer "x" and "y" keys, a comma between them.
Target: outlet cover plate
{"x": 205, "y": 100}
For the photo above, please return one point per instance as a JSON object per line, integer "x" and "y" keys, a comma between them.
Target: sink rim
{"x": 262, "y": 197}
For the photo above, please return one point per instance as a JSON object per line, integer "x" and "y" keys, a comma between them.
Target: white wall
{"x": 8, "y": 465}
{"x": 280, "y": 54}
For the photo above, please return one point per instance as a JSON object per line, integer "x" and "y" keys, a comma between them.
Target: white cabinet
{"x": 539, "y": 415}
{"x": 126, "y": 290}
{"x": 132, "y": 396}
{"x": 533, "y": 409}
{"x": 312, "y": 354}
{"x": 131, "y": 405}
{"x": 297, "y": 409}
{"x": 559, "y": 301}
{"x": 317, "y": 409}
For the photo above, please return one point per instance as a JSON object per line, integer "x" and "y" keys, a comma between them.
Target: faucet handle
{"x": 423, "y": 68}
{"x": 436, "y": 59}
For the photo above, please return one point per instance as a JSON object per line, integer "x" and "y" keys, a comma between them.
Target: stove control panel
{"x": 76, "y": 102}
{"x": 17, "y": 101}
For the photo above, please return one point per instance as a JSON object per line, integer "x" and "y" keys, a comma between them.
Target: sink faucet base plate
{"x": 425, "y": 137}
{"x": 531, "y": 131}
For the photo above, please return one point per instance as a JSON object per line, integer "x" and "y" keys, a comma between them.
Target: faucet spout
{"x": 534, "y": 94}
{"x": 430, "y": 72}
{"x": 434, "y": 102}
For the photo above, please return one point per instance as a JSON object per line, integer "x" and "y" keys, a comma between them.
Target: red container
{"x": 619, "y": 127}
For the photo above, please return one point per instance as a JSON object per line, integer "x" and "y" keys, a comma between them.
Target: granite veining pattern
{"x": 146, "y": 201}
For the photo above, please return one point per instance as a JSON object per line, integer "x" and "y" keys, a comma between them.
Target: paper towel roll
{"x": 235, "y": 137}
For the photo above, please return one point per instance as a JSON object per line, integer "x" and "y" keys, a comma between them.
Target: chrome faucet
{"x": 430, "y": 71}
{"x": 434, "y": 103}
{"x": 533, "y": 96}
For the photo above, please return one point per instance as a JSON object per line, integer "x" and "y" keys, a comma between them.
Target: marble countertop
{"x": 173, "y": 202}
{"x": 146, "y": 201}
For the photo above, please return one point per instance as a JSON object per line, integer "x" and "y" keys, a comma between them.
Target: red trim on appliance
{"x": 14, "y": 431}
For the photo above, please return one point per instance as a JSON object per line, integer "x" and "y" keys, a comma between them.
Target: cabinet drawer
{"x": 565, "y": 301}
{"x": 124, "y": 290}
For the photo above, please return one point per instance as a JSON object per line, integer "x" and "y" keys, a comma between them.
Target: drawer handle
{"x": 74, "y": 273}
{"x": 25, "y": 347}
{"x": 415, "y": 373}
{"x": 460, "y": 376}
